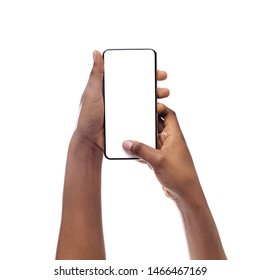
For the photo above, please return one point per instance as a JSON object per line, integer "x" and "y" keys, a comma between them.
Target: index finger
{"x": 170, "y": 119}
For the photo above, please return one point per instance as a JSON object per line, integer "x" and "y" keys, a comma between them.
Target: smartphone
{"x": 129, "y": 89}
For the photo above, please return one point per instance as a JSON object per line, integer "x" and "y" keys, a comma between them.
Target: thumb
{"x": 145, "y": 152}
{"x": 94, "y": 86}
{"x": 97, "y": 69}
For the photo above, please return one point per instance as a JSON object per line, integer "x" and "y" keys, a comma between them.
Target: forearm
{"x": 81, "y": 233}
{"x": 203, "y": 239}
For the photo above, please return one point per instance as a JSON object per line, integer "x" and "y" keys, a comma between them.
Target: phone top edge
{"x": 130, "y": 49}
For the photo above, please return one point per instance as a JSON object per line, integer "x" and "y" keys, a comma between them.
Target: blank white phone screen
{"x": 130, "y": 99}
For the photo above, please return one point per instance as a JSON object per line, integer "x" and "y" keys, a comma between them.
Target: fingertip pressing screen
{"x": 130, "y": 99}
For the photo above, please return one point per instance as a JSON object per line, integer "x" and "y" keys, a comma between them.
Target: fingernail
{"x": 94, "y": 56}
{"x": 127, "y": 145}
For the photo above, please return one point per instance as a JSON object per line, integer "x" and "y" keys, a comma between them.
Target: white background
{"x": 210, "y": 50}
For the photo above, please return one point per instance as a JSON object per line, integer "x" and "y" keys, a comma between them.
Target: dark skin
{"x": 81, "y": 232}
{"x": 173, "y": 166}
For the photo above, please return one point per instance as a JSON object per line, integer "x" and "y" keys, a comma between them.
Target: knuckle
{"x": 137, "y": 148}
{"x": 173, "y": 112}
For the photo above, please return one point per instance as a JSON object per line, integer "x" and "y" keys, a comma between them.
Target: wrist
{"x": 83, "y": 175}
{"x": 191, "y": 199}
{"x": 85, "y": 148}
